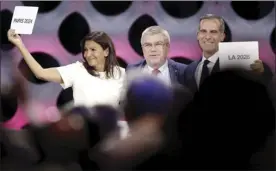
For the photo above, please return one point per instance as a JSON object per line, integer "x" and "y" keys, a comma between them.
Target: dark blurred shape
{"x": 255, "y": 11}
{"x": 107, "y": 117}
{"x": 231, "y": 117}
{"x": 101, "y": 122}
{"x": 104, "y": 115}
{"x": 12, "y": 95}
{"x": 20, "y": 148}
{"x": 182, "y": 60}
{"x": 71, "y": 31}
{"x": 121, "y": 62}
{"x": 61, "y": 141}
{"x": 94, "y": 133}
{"x": 64, "y": 97}
{"x": 180, "y": 9}
{"x": 272, "y": 90}
{"x": 147, "y": 95}
{"x": 9, "y": 105}
{"x": 228, "y": 33}
{"x": 72, "y": 138}
{"x": 273, "y": 40}
{"x": 3, "y": 152}
{"x": 6, "y": 17}
{"x": 44, "y": 59}
{"x": 111, "y": 8}
{"x": 265, "y": 158}
{"x": 136, "y": 30}
{"x": 44, "y": 6}
{"x": 182, "y": 98}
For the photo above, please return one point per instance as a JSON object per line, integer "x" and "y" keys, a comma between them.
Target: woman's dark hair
{"x": 106, "y": 43}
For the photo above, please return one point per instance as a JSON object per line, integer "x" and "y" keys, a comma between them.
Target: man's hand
{"x": 257, "y": 66}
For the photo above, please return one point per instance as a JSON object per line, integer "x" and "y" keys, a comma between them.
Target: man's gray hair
{"x": 156, "y": 30}
{"x": 212, "y": 16}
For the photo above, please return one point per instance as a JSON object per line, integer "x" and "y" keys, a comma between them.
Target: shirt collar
{"x": 161, "y": 69}
{"x": 212, "y": 58}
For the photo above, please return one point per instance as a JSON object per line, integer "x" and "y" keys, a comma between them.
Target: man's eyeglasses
{"x": 156, "y": 45}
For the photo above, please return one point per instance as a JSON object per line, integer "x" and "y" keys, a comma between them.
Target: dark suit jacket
{"x": 190, "y": 81}
{"x": 176, "y": 70}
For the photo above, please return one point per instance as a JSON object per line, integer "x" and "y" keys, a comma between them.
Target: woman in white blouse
{"x": 96, "y": 80}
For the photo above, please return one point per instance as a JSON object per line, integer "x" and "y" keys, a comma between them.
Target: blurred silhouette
{"x": 147, "y": 95}
{"x": 18, "y": 142}
{"x": 228, "y": 121}
{"x": 272, "y": 90}
{"x": 147, "y": 104}
{"x": 71, "y": 139}
{"x": 265, "y": 158}
{"x": 228, "y": 124}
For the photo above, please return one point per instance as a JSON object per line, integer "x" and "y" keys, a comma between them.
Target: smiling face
{"x": 209, "y": 36}
{"x": 155, "y": 49}
{"x": 94, "y": 54}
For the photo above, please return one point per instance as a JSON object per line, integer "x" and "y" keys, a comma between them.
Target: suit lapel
{"x": 173, "y": 71}
{"x": 216, "y": 67}
{"x": 142, "y": 64}
{"x": 193, "y": 75}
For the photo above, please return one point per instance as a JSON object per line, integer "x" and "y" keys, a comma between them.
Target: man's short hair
{"x": 213, "y": 16}
{"x": 156, "y": 30}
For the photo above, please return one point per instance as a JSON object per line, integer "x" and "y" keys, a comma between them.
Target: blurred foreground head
{"x": 78, "y": 129}
{"x": 13, "y": 98}
{"x": 233, "y": 115}
{"x": 235, "y": 95}
{"x": 147, "y": 95}
{"x": 104, "y": 116}
{"x": 97, "y": 122}
{"x": 147, "y": 103}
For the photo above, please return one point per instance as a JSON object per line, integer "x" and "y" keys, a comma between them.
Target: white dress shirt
{"x": 164, "y": 74}
{"x": 213, "y": 59}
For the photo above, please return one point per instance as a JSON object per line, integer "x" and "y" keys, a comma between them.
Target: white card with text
{"x": 23, "y": 19}
{"x": 238, "y": 54}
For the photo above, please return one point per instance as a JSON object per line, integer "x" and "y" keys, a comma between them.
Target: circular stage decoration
{"x": 44, "y": 6}
{"x": 71, "y": 31}
{"x": 111, "y": 8}
{"x": 136, "y": 30}
{"x": 182, "y": 60}
{"x": 122, "y": 63}
{"x": 252, "y": 10}
{"x": 45, "y": 60}
{"x": 181, "y": 9}
{"x": 64, "y": 97}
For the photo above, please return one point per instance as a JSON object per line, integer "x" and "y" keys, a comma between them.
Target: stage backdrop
{"x": 60, "y": 26}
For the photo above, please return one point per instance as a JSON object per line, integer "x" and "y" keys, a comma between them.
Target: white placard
{"x": 238, "y": 54}
{"x": 23, "y": 19}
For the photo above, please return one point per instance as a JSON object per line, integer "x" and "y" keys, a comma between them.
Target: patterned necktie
{"x": 205, "y": 71}
{"x": 155, "y": 72}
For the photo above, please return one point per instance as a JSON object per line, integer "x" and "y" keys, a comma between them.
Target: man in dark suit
{"x": 155, "y": 43}
{"x": 210, "y": 33}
